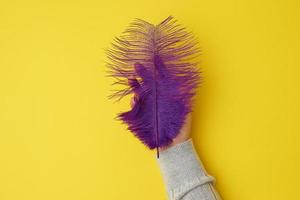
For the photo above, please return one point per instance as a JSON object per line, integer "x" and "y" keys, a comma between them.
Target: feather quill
{"x": 156, "y": 64}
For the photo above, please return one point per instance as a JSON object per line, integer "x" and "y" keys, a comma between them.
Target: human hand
{"x": 184, "y": 133}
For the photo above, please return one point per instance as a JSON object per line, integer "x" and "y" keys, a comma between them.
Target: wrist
{"x": 178, "y": 140}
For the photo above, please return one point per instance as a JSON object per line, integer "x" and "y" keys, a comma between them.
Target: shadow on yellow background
{"x": 58, "y": 136}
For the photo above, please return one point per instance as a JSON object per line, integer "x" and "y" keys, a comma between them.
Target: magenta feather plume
{"x": 156, "y": 64}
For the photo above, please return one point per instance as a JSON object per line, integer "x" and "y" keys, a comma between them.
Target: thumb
{"x": 135, "y": 85}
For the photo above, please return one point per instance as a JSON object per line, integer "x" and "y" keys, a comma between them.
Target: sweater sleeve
{"x": 184, "y": 174}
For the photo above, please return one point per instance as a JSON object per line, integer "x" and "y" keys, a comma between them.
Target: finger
{"x": 133, "y": 83}
{"x": 133, "y": 100}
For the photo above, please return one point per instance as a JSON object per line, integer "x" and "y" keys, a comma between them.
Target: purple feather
{"x": 155, "y": 63}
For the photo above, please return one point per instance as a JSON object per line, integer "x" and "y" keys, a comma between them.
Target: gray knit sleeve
{"x": 184, "y": 174}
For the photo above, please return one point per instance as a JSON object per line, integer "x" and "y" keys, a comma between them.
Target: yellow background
{"x": 58, "y": 136}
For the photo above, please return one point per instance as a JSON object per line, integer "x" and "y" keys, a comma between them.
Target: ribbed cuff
{"x": 182, "y": 170}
